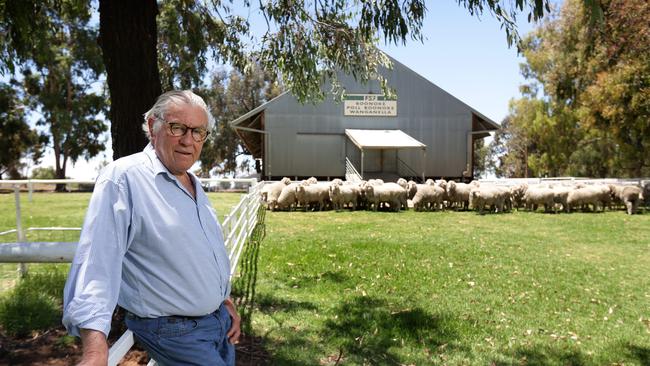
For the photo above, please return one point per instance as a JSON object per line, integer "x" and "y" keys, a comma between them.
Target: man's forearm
{"x": 95, "y": 347}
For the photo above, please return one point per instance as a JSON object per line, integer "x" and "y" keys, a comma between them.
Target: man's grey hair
{"x": 176, "y": 97}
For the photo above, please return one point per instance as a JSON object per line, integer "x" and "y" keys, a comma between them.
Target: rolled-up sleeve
{"x": 93, "y": 284}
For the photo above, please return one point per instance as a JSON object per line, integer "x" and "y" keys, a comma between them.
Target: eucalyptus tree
{"x": 589, "y": 81}
{"x": 60, "y": 65}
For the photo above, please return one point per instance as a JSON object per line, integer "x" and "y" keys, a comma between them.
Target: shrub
{"x": 34, "y": 304}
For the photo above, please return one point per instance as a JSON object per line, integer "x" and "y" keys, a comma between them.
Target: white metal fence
{"x": 237, "y": 228}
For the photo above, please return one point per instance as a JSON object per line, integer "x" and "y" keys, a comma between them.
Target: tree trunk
{"x": 128, "y": 38}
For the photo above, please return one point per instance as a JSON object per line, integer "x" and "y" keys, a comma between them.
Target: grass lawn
{"x": 454, "y": 288}
{"x": 421, "y": 288}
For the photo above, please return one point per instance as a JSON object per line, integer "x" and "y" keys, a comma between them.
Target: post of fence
{"x": 30, "y": 187}
{"x": 22, "y": 267}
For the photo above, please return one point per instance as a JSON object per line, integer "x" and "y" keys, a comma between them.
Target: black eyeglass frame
{"x": 195, "y": 131}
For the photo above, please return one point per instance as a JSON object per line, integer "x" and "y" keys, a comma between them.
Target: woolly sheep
{"x": 459, "y": 193}
{"x": 390, "y": 193}
{"x": 274, "y": 190}
{"x": 343, "y": 194}
{"x": 536, "y": 196}
{"x": 287, "y": 198}
{"x": 312, "y": 194}
{"x": 490, "y": 196}
{"x": 428, "y": 196}
{"x": 584, "y": 196}
{"x": 630, "y": 196}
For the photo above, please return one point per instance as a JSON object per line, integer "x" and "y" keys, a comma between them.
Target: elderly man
{"x": 151, "y": 243}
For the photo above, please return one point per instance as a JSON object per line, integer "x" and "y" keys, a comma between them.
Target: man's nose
{"x": 187, "y": 139}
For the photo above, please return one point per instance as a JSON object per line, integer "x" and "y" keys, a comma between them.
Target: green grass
{"x": 454, "y": 288}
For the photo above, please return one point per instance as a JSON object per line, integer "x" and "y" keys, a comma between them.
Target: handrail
{"x": 351, "y": 174}
{"x": 410, "y": 170}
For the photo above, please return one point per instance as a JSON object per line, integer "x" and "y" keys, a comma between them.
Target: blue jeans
{"x": 175, "y": 340}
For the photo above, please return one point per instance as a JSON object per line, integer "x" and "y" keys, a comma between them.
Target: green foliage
{"x": 231, "y": 95}
{"x": 35, "y": 302}
{"x": 593, "y": 117}
{"x": 43, "y": 173}
{"x": 17, "y": 139}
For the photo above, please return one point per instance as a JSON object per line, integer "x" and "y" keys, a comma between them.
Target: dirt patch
{"x": 53, "y": 348}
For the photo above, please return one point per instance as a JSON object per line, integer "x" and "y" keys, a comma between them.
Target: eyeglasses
{"x": 199, "y": 134}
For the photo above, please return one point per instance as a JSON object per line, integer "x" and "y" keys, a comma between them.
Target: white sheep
{"x": 390, "y": 193}
{"x": 428, "y": 197}
{"x": 287, "y": 198}
{"x": 630, "y": 196}
{"x": 536, "y": 196}
{"x": 312, "y": 194}
{"x": 340, "y": 195}
{"x": 490, "y": 196}
{"x": 587, "y": 195}
{"x": 458, "y": 193}
{"x": 274, "y": 190}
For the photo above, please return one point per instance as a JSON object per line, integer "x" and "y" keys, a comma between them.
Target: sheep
{"x": 312, "y": 194}
{"x": 336, "y": 181}
{"x": 287, "y": 198}
{"x": 459, "y": 193}
{"x": 274, "y": 190}
{"x": 535, "y": 196}
{"x": 390, "y": 193}
{"x": 342, "y": 194}
{"x": 584, "y": 196}
{"x": 411, "y": 189}
{"x": 481, "y": 196}
{"x": 630, "y": 196}
{"x": 428, "y": 196}
{"x": 560, "y": 196}
{"x": 402, "y": 183}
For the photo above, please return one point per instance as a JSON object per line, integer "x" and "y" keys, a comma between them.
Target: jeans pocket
{"x": 176, "y": 329}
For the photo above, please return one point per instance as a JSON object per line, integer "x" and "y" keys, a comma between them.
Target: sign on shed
{"x": 369, "y": 105}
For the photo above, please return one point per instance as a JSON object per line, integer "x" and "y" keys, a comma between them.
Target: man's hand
{"x": 95, "y": 348}
{"x": 235, "y": 331}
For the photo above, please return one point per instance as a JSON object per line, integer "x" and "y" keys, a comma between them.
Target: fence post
{"x": 30, "y": 187}
{"x": 22, "y": 267}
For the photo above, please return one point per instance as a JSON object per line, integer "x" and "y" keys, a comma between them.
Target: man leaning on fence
{"x": 152, "y": 244}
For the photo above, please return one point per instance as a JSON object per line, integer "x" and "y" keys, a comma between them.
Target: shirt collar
{"x": 157, "y": 165}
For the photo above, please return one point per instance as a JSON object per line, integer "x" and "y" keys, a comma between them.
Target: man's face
{"x": 179, "y": 153}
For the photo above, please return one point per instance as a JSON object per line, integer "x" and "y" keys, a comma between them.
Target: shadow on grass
{"x": 319, "y": 279}
{"x": 366, "y": 331}
{"x": 543, "y": 355}
{"x": 640, "y": 353}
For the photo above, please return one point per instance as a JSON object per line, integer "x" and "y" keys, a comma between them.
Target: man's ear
{"x": 150, "y": 123}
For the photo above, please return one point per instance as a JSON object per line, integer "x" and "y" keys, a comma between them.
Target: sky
{"x": 465, "y": 55}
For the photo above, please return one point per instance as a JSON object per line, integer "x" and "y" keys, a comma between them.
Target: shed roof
{"x": 382, "y": 139}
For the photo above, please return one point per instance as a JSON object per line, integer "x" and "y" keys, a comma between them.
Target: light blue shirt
{"x": 147, "y": 245}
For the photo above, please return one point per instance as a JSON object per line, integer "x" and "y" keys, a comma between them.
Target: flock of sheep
{"x": 374, "y": 194}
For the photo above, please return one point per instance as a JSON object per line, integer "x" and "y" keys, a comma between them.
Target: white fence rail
{"x": 237, "y": 228}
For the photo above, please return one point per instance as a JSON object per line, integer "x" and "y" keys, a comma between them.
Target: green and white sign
{"x": 369, "y": 105}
